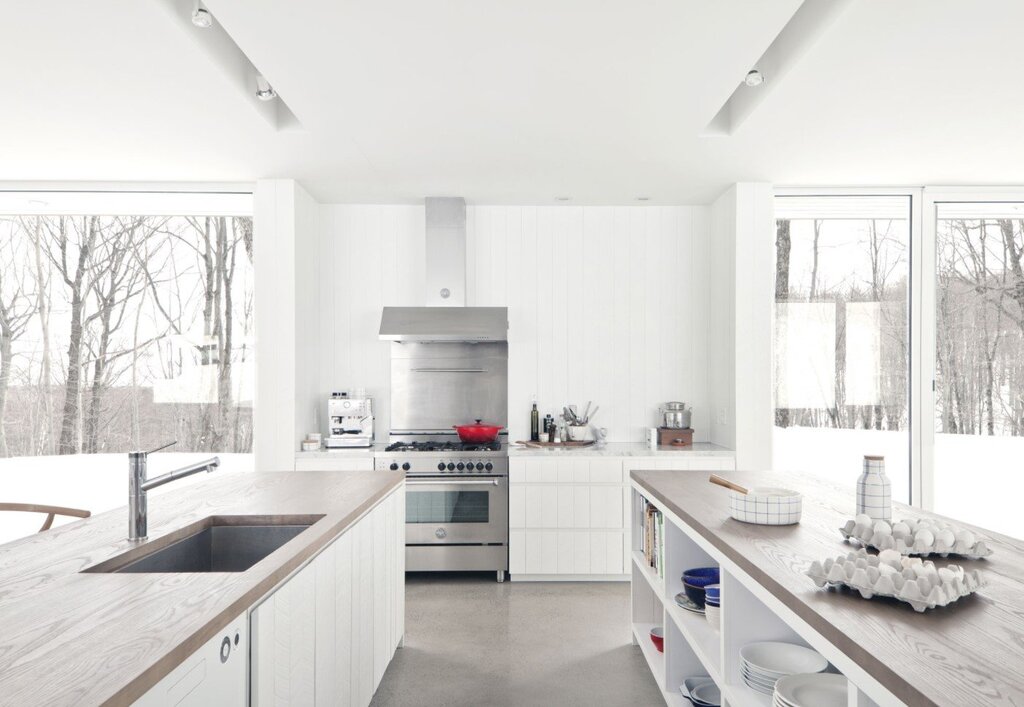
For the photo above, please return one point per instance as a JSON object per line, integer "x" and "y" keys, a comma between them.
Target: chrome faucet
{"x": 138, "y": 485}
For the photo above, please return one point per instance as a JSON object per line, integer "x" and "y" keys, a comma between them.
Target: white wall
{"x": 284, "y": 242}
{"x": 740, "y": 343}
{"x": 605, "y": 303}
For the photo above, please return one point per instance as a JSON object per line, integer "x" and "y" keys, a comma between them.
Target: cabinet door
{"x": 284, "y": 639}
{"x": 213, "y": 675}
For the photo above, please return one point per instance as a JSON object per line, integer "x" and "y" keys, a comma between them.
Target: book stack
{"x": 653, "y": 538}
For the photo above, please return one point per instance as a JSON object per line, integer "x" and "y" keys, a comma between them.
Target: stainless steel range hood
{"x": 446, "y": 319}
{"x": 444, "y": 324}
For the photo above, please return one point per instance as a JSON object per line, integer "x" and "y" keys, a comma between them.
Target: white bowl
{"x": 766, "y": 506}
{"x": 578, "y": 433}
{"x": 820, "y": 690}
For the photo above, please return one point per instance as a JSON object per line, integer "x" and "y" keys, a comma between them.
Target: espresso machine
{"x": 349, "y": 420}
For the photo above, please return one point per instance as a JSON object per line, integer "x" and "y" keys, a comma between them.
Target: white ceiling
{"x": 512, "y": 101}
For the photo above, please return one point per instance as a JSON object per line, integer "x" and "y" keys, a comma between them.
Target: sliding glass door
{"x": 842, "y": 335}
{"x": 977, "y": 457}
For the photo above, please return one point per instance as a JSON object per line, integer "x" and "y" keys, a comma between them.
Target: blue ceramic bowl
{"x": 713, "y": 593}
{"x": 695, "y": 593}
{"x": 701, "y": 576}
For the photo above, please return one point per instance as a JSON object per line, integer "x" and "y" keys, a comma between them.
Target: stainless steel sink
{"x": 215, "y": 544}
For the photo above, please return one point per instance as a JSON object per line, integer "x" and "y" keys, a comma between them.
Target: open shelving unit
{"x": 692, "y": 646}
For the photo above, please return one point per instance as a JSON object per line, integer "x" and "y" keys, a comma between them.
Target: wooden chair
{"x": 50, "y": 511}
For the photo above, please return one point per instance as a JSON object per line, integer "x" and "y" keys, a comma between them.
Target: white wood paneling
{"x": 605, "y": 303}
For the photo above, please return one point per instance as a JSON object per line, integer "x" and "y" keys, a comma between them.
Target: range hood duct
{"x": 446, "y": 251}
{"x": 446, "y": 318}
{"x": 431, "y": 324}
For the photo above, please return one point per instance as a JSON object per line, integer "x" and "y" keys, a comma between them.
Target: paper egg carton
{"x": 913, "y": 580}
{"x": 915, "y": 537}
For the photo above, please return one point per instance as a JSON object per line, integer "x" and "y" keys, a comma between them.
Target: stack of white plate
{"x": 810, "y": 690}
{"x": 764, "y": 663}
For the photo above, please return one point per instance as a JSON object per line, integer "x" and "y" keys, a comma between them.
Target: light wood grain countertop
{"x": 72, "y": 638}
{"x": 968, "y": 653}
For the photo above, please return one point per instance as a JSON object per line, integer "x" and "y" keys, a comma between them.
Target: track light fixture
{"x": 201, "y": 17}
{"x": 264, "y": 91}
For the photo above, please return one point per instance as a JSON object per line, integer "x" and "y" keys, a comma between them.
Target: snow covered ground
{"x": 96, "y": 482}
{"x": 977, "y": 479}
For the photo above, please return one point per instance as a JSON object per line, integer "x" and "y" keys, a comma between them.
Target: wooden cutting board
{"x": 556, "y": 445}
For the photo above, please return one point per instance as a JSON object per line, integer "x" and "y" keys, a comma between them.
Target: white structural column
{"x": 284, "y": 244}
{"x": 740, "y": 328}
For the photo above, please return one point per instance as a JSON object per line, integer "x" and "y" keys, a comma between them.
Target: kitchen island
{"x": 69, "y": 637}
{"x": 968, "y": 653}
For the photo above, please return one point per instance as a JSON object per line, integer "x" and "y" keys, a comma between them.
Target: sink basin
{"x": 215, "y": 544}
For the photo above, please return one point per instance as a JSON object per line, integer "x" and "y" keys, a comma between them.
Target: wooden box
{"x": 675, "y": 437}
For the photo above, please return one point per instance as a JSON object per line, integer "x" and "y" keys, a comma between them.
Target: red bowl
{"x": 658, "y": 638}
{"x": 478, "y": 433}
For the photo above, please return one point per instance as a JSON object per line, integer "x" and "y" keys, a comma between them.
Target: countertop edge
{"x": 146, "y": 680}
{"x": 886, "y": 676}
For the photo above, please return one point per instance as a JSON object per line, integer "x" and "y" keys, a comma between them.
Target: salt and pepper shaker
{"x": 874, "y": 491}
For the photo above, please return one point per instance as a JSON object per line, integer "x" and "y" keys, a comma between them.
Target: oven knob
{"x": 460, "y": 466}
{"x": 479, "y": 466}
{"x": 488, "y": 466}
{"x": 451, "y": 467}
{"x": 440, "y": 533}
{"x": 405, "y": 467}
{"x": 440, "y": 466}
{"x": 394, "y": 466}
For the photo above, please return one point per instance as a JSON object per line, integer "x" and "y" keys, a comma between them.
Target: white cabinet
{"x": 326, "y": 635}
{"x": 342, "y": 462}
{"x": 567, "y": 518}
{"x": 569, "y": 515}
{"x": 213, "y": 675}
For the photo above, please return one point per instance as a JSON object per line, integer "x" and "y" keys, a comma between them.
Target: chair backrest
{"x": 50, "y": 511}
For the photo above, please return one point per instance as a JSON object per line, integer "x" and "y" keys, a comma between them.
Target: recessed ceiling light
{"x": 201, "y": 17}
{"x": 563, "y": 198}
{"x": 643, "y": 198}
{"x": 264, "y": 91}
{"x": 753, "y": 78}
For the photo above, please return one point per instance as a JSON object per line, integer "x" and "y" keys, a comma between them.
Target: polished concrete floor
{"x": 472, "y": 641}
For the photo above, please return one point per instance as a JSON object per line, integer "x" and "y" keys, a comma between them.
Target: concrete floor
{"x": 471, "y": 641}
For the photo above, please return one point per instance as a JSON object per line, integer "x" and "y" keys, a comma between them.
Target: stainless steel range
{"x": 449, "y": 366}
{"x": 456, "y": 506}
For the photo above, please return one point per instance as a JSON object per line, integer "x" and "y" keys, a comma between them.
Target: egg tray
{"x": 910, "y": 579}
{"x": 913, "y": 537}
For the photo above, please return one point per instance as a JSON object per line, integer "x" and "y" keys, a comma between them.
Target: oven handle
{"x": 449, "y": 370}
{"x": 454, "y": 482}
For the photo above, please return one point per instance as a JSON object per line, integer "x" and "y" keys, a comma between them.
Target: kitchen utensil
{"x": 916, "y": 537}
{"x": 593, "y": 413}
{"x": 586, "y": 411}
{"x": 716, "y": 479}
{"x": 814, "y": 690}
{"x": 578, "y": 433}
{"x": 918, "y": 582}
{"x": 874, "y": 491}
{"x": 684, "y": 602}
{"x": 675, "y": 416}
{"x": 658, "y": 638}
{"x": 556, "y": 445}
{"x": 477, "y": 433}
{"x": 762, "y": 505}
{"x": 773, "y": 659}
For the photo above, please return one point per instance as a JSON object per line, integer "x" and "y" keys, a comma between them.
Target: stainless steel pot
{"x": 676, "y": 416}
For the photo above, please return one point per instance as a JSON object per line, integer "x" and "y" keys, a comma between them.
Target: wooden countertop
{"x": 68, "y": 638}
{"x": 968, "y": 653}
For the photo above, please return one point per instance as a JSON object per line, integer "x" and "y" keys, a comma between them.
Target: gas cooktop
{"x": 443, "y": 447}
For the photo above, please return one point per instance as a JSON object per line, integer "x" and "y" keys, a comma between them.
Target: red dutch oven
{"x": 478, "y": 433}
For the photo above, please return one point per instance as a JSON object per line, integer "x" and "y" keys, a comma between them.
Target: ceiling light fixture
{"x": 201, "y": 17}
{"x": 563, "y": 198}
{"x": 753, "y": 78}
{"x": 264, "y": 91}
{"x": 643, "y": 198}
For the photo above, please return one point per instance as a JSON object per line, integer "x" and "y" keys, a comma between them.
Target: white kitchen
{"x": 460, "y": 353}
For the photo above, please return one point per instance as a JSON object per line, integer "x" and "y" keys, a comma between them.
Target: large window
{"x": 841, "y": 383}
{"x": 979, "y": 362}
{"x": 126, "y": 322}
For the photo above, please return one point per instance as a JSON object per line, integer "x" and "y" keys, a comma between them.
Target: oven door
{"x": 456, "y": 511}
